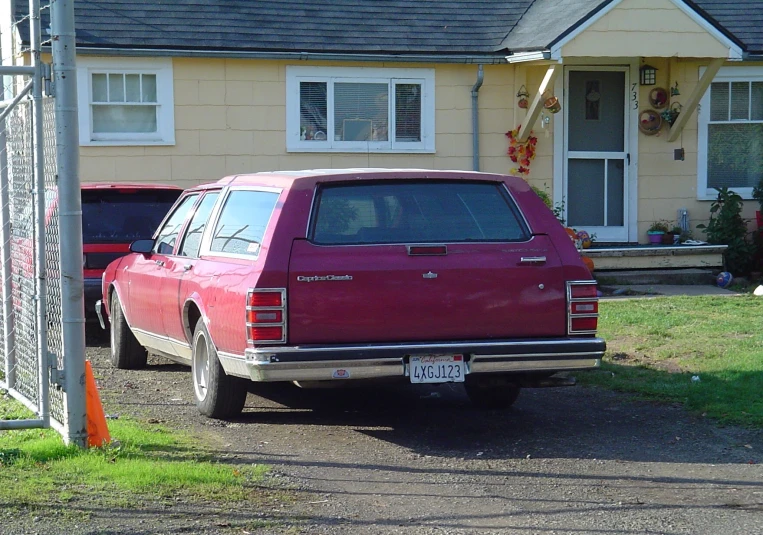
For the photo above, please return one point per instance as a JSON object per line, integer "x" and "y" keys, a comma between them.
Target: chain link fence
{"x": 54, "y": 315}
{"x": 22, "y": 365}
{"x": 34, "y": 366}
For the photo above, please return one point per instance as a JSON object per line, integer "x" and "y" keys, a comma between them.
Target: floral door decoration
{"x": 521, "y": 152}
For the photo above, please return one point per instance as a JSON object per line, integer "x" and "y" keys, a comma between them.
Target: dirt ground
{"x": 424, "y": 461}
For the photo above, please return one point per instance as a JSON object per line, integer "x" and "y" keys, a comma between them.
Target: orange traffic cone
{"x": 97, "y": 430}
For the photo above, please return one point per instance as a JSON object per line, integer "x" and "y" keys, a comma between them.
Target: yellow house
{"x": 660, "y": 101}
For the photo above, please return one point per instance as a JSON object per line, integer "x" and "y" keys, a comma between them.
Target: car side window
{"x": 243, "y": 221}
{"x": 165, "y": 240}
{"x": 192, "y": 239}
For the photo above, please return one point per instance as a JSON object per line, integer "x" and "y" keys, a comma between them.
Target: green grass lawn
{"x": 144, "y": 462}
{"x": 704, "y": 352}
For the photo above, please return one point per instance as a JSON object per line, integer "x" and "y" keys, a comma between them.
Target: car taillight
{"x": 582, "y": 307}
{"x": 265, "y": 298}
{"x": 266, "y": 316}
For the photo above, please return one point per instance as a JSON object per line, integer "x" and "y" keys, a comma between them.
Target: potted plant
{"x": 676, "y": 231}
{"x": 657, "y": 231}
{"x": 757, "y": 194}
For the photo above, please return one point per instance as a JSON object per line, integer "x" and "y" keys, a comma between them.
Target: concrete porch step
{"x": 656, "y": 276}
{"x": 631, "y": 257}
{"x": 637, "y": 291}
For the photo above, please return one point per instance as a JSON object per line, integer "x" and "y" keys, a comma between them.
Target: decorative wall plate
{"x": 649, "y": 122}
{"x": 658, "y": 98}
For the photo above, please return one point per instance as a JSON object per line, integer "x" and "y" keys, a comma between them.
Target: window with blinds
{"x": 734, "y": 134}
{"x": 361, "y": 112}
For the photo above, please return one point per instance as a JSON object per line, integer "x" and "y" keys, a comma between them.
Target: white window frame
{"x": 165, "y": 120}
{"x": 331, "y": 75}
{"x": 725, "y": 74}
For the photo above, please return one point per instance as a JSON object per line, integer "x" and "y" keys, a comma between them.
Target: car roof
{"x": 290, "y": 178}
{"x": 127, "y": 185}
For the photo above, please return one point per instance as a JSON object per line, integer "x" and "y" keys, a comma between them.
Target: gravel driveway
{"x": 412, "y": 461}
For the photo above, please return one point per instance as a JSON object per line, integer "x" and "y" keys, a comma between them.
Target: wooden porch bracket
{"x": 537, "y": 103}
{"x": 691, "y": 104}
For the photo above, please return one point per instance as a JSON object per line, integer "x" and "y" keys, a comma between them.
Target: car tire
{"x": 491, "y": 392}
{"x": 217, "y": 394}
{"x": 126, "y": 351}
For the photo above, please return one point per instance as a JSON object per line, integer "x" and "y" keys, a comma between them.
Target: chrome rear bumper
{"x": 343, "y": 362}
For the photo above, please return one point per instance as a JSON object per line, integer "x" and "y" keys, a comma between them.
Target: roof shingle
{"x": 395, "y": 26}
{"x": 742, "y": 18}
{"x": 453, "y": 27}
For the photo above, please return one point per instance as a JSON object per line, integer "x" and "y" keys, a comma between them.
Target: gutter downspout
{"x": 476, "y": 119}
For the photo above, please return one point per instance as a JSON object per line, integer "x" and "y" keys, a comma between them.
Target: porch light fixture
{"x": 648, "y": 75}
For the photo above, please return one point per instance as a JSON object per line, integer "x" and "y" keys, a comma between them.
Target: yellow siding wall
{"x": 645, "y": 28}
{"x": 542, "y": 167}
{"x": 666, "y": 184}
{"x": 230, "y": 117}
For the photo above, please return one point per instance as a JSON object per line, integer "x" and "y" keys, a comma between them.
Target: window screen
{"x": 313, "y": 111}
{"x": 416, "y": 212}
{"x": 243, "y": 221}
{"x": 735, "y": 134}
{"x": 408, "y": 112}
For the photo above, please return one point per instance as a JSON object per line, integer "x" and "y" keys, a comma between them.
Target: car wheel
{"x": 491, "y": 392}
{"x": 217, "y": 394}
{"x": 126, "y": 351}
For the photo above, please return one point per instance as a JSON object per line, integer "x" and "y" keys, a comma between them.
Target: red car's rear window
{"x": 416, "y": 212}
{"x": 122, "y": 216}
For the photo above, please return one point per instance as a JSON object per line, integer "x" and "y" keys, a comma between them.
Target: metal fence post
{"x": 70, "y": 218}
{"x": 39, "y": 226}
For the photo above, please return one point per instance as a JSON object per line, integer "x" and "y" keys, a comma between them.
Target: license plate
{"x": 437, "y": 369}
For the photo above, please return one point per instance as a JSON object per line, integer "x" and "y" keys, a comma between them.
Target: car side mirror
{"x": 142, "y": 246}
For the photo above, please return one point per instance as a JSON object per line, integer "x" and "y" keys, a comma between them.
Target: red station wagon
{"x": 348, "y": 275}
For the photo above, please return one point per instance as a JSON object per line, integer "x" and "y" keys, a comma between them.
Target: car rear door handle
{"x": 159, "y": 262}
{"x": 187, "y": 267}
{"x": 532, "y": 260}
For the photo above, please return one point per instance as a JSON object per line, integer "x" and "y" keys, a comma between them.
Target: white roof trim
{"x": 735, "y": 51}
{"x": 520, "y": 57}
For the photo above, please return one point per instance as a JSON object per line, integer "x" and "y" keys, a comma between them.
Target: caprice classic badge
{"x": 321, "y": 278}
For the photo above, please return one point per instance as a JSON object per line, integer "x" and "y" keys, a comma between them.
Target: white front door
{"x": 596, "y": 158}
